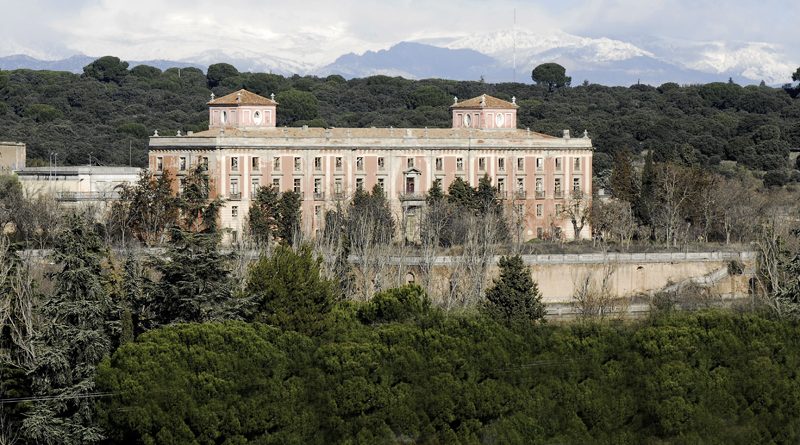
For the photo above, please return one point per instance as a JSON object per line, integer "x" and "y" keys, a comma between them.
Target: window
{"x": 318, "y": 214}
{"x": 557, "y": 187}
{"x": 360, "y": 163}
{"x": 183, "y": 163}
{"x": 576, "y": 164}
{"x": 520, "y": 184}
{"x": 318, "y": 164}
{"x": 204, "y": 163}
{"x": 501, "y": 185}
{"x": 381, "y": 183}
{"x": 234, "y": 188}
{"x": 181, "y": 185}
{"x": 539, "y": 210}
{"x": 234, "y": 236}
{"x": 380, "y": 163}
{"x": 159, "y": 164}
{"x": 317, "y": 185}
{"x": 439, "y": 164}
{"x": 539, "y": 232}
{"x": 337, "y": 186}
{"x": 410, "y": 162}
{"x": 234, "y": 211}
{"x": 276, "y": 182}
{"x": 296, "y": 185}
{"x": 576, "y": 184}
{"x": 276, "y": 163}
{"x": 481, "y": 164}
{"x": 460, "y": 164}
{"x": 559, "y": 209}
{"x": 255, "y": 183}
{"x": 359, "y": 183}
{"x": 539, "y": 188}
{"x": 254, "y": 164}
{"x": 558, "y": 164}
{"x": 338, "y": 163}
{"x": 501, "y": 164}
{"x": 520, "y": 164}
{"x": 297, "y": 164}
{"x": 539, "y": 164}
{"x": 235, "y": 164}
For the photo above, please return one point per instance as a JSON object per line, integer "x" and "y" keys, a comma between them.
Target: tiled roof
{"x": 242, "y": 97}
{"x": 484, "y": 101}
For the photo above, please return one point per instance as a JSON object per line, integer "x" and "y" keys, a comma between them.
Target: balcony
{"x": 539, "y": 194}
{"x": 87, "y": 196}
{"x": 520, "y": 194}
{"x": 319, "y": 196}
{"x": 235, "y": 196}
{"x": 411, "y": 196}
{"x": 558, "y": 194}
{"x": 338, "y": 195}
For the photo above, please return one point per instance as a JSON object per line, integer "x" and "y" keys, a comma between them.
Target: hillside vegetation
{"x": 111, "y": 108}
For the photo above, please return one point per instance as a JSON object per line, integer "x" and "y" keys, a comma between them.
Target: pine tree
{"x": 288, "y": 217}
{"x": 194, "y": 283}
{"x": 289, "y": 291}
{"x": 623, "y": 180}
{"x": 514, "y": 297}
{"x": 435, "y": 193}
{"x": 74, "y": 339}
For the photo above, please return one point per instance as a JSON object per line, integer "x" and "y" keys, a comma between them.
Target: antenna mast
{"x": 514, "y": 43}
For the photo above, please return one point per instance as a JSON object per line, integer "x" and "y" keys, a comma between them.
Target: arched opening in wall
{"x": 410, "y": 278}
{"x": 224, "y": 117}
{"x": 257, "y": 117}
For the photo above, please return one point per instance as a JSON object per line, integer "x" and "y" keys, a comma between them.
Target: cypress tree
{"x": 262, "y": 217}
{"x": 74, "y": 339}
{"x": 514, "y": 297}
{"x": 288, "y": 217}
{"x": 623, "y": 180}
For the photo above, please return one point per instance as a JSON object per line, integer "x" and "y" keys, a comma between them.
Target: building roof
{"x": 484, "y": 101}
{"x": 371, "y": 133}
{"x": 241, "y": 97}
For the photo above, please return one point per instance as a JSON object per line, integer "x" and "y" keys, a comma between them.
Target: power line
{"x": 90, "y": 395}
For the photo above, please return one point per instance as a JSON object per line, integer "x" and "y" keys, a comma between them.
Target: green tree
{"x": 74, "y": 339}
{"x": 107, "y": 69}
{"x": 551, "y": 74}
{"x": 146, "y": 72}
{"x": 289, "y": 217}
{"x": 263, "y": 215}
{"x": 194, "y": 281}
{"x": 514, "y": 297}
{"x": 623, "y": 177}
{"x": 796, "y": 75}
{"x": 395, "y": 305}
{"x": 147, "y": 210}
{"x": 297, "y": 106}
{"x": 288, "y": 291}
{"x": 218, "y": 72}
{"x": 199, "y": 213}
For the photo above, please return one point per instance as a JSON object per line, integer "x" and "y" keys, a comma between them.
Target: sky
{"x": 316, "y": 32}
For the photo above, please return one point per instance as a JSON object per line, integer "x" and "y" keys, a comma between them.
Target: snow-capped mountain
{"x": 492, "y": 56}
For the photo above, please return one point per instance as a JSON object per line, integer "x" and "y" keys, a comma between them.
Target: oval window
{"x": 499, "y": 120}
{"x": 257, "y": 117}
{"x": 467, "y": 120}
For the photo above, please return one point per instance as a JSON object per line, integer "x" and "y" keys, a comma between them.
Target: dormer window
{"x": 257, "y": 117}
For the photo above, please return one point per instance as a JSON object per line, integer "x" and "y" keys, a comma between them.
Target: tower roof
{"x": 484, "y": 101}
{"x": 242, "y": 97}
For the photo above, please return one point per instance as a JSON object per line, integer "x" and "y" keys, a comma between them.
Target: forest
{"x": 139, "y": 327}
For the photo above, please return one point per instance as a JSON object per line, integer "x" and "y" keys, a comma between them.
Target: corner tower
{"x": 241, "y": 109}
{"x": 485, "y": 112}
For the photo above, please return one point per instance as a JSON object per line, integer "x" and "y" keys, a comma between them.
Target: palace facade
{"x": 243, "y": 150}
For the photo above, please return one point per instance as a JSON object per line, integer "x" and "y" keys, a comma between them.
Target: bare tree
{"x": 578, "y": 210}
{"x": 594, "y": 296}
{"x": 673, "y": 193}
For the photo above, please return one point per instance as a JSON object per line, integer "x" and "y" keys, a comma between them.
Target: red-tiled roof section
{"x": 242, "y": 97}
{"x": 484, "y": 101}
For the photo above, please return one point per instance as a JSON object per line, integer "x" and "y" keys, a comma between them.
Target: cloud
{"x": 316, "y": 32}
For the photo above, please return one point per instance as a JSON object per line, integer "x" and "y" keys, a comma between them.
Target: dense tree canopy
{"x": 718, "y": 121}
{"x": 552, "y": 75}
